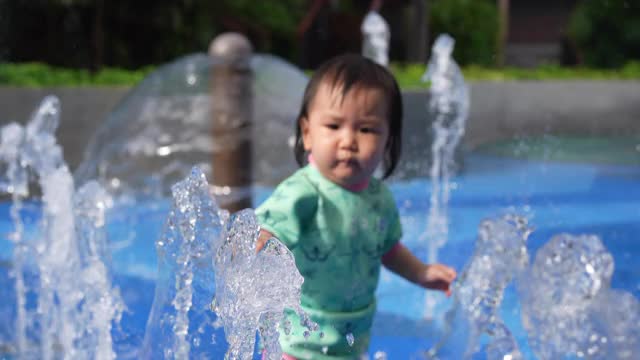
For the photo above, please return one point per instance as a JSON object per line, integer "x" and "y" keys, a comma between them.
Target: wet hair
{"x": 346, "y": 72}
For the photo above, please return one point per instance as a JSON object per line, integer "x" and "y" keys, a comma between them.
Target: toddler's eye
{"x": 332, "y": 126}
{"x": 368, "y": 130}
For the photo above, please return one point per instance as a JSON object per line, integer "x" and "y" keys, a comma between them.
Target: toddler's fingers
{"x": 449, "y": 273}
{"x": 446, "y": 273}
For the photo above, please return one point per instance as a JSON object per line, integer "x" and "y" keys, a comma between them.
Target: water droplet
{"x": 163, "y": 151}
{"x": 350, "y": 339}
{"x": 325, "y": 349}
{"x": 380, "y": 355}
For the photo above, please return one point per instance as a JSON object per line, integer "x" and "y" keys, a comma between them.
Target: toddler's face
{"x": 346, "y": 135}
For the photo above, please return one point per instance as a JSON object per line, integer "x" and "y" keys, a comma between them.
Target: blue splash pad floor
{"x": 556, "y": 197}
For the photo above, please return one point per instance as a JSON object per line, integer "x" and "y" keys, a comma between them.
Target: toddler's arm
{"x": 431, "y": 276}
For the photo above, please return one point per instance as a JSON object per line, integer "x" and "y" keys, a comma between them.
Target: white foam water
{"x": 500, "y": 255}
{"x": 66, "y": 261}
{"x": 448, "y": 108}
{"x": 568, "y": 307}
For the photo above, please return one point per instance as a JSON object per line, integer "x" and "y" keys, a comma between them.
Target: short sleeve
{"x": 289, "y": 209}
{"x": 394, "y": 229}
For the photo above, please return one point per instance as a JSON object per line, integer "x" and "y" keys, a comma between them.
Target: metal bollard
{"x": 232, "y": 109}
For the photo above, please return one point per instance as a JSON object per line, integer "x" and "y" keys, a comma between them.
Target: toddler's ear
{"x": 305, "y": 131}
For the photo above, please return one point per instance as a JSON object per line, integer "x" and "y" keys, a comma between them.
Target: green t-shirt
{"x": 338, "y": 238}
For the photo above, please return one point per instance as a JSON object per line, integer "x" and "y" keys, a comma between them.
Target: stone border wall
{"x": 499, "y": 110}
{"x": 83, "y": 109}
{"x": 502, "y": 110}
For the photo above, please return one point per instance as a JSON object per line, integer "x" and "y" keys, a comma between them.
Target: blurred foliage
{"x": 408, "y": 75}
{"x": 474, "y": 26}
{"x": 606, "y": 32}
{"x": 269, "y": 25}
{"x": 131, "y": 34}
{"x": 279, "y": 16}
{"x": 92, "y": 34}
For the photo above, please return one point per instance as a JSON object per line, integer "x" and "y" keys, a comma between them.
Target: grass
{"x": 408, "y": 75}
{"x": 42, "y": 75}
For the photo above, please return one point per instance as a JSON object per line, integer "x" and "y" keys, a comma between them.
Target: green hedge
{"x": 631, "y": 71}
{"x": 41, "y": 75}
{"x": 606, "y": 33}
{"x": 129, "y": 34}
{"x": 474, "y": 25}
{"x": 408, "y": 76}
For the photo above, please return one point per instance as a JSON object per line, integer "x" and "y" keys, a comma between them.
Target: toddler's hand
{"x": 438, "y": 277}
{"x": 262, "y": 239}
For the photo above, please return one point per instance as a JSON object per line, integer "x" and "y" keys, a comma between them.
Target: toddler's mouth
{"x": 348, "y": 162}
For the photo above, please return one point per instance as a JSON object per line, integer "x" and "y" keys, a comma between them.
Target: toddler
{"x": 341, "y": 222}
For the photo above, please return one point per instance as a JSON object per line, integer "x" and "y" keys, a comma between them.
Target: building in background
{"x": 532, "y": 32}
{"x": 537, "y": 32}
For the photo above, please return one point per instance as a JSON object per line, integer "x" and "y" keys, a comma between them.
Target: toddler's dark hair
{"x": 348, "y": 71}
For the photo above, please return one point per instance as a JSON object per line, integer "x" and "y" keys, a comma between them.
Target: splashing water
{"x": 612, "y": 316}
{"x": 76, "y": 305}
{"x": 204, "y": 252}
{"x": 163, "y": 127}
{"x": 253, "y": 290}
{"x": 375, "y": 34}
{"x": 449, "y": 109}
{"x": 617, "y": 316}
{"x": 185, "y": 282}
{"x": 350, "y": 339}
{"x": 380, "y": 355}
{"x": 163, "y": 155}
{"x": 568, "y": 308}
{"x": 500, "y": 254}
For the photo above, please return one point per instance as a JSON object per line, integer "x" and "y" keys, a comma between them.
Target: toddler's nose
{"x": 348, "y": 140}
